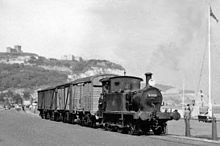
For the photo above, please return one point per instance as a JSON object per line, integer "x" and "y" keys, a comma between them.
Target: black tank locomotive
{"x": 124, "y": 107}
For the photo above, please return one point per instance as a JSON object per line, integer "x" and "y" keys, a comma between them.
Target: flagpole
{"x": 183, "y": 95}
{"x": 210, "y": 112}
{"x": 209, "y": 63}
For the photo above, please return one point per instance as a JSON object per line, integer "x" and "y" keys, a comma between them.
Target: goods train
{"x": 116, "y": 103}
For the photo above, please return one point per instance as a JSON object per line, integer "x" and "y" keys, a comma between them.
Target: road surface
{"x": 23, "y": 129}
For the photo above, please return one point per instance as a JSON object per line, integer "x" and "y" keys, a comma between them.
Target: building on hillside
{"x": 67, "y": 57}
{"x": 71, "y": 57}
{"x": 9, "y": 49}
{"x": 16, "y": 49}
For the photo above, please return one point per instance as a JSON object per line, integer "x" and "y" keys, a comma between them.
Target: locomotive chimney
{"x": 148, "y": 77}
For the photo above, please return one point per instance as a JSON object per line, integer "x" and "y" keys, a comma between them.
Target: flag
{"x": 212, "y": 15}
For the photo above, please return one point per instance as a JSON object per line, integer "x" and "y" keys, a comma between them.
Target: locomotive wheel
{"x": 119, "y": 130}
{"x": 165, "y": 130}
{"x": 132, "y": 130}
{"x": 158, "y": 130}
{"x": 146, "y": 131}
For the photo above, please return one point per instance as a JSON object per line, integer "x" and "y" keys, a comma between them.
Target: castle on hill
{"x": 16, "y": 49}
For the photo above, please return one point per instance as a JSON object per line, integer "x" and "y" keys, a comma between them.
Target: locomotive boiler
{"x": 124, "y": 107}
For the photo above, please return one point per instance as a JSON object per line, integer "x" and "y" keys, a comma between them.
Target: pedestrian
{"x": 201, "y": 94}
{"x": 187, "y": 117}
{"x": 23, "y": 108}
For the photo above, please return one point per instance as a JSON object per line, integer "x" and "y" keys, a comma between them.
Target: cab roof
{"x": 115, "y": 77}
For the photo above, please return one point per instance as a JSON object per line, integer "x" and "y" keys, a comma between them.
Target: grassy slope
{"x": 21, "y": 76}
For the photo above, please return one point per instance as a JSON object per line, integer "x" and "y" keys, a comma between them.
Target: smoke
{"x": 181, "y": 55}
{"x": 167, "y": 55}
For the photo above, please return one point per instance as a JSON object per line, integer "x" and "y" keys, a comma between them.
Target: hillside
{"x": 22, "y": 76}
{"x": 34, "y": 70}
{"x": 27, "y": 72}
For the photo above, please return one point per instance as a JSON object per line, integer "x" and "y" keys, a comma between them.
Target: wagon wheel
{"x": 132, "y": 129}
{"x": 60, "y": 117}
{"x": 93, "y": 121}
{"x": 87, "y": 120}
{"x": 42, "y": 115}
{"x": 121, "y": 130}
{"x": 64, "y": 117}
{"x": 52, "y": 116}
{"x": 55, "y": 116}
{"x": 82, "y": 121}
{"x": 107, "y": 127}
{"x": 71, "y": 119}
{"x": 47, "y": 115}
{"x": 114, "y": 128}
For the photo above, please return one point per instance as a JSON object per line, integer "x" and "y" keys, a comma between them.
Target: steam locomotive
{"x": 114, "y": 102}
{"x": 127, "y": 108}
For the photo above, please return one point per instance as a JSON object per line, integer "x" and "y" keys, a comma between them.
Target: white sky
{"x": 166, "y": 37}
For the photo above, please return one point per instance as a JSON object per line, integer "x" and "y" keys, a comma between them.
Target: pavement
{"x": 199, "y": 130}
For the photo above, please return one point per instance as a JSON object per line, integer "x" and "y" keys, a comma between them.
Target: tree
{"x": 26, "y": 95}
{"x": 17, "y": 99}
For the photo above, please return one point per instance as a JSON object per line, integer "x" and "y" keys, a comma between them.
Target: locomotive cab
{"x": 121, "y": 84}
{"x": 124, "y": 83}
{"x": 115, "y": 92}
{"x": 123, "y": 105}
